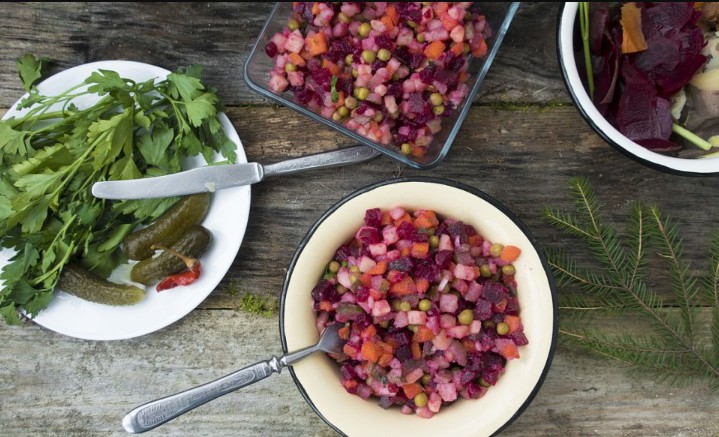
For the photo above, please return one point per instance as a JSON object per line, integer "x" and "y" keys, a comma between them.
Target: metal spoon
{"x": 155, "y": 413}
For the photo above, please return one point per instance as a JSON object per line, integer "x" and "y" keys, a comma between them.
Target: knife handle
{"x": 345, "y": 155}
{"x": 155, "y": 413}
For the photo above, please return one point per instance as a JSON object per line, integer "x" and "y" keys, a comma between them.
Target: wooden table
{"x": 521, "y": 143}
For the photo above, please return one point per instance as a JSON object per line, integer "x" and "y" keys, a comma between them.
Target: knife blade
{"x": 217, "y": 177}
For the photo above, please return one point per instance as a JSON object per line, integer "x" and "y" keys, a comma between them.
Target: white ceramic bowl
{"x": 317, "y": 377}
{"x": 570, "y": 74}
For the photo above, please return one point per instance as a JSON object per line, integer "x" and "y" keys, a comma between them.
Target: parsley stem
{"x": 691, "y": 137}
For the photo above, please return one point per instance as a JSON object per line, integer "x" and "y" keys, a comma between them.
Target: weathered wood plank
{"x": 523, "y": 157}
{"x": 55, "y": 385}
{"x": 220, "y": 35}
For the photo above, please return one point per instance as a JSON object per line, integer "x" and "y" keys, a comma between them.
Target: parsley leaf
{"x": 30, "y": 69}
{"x": 334, "y": 94}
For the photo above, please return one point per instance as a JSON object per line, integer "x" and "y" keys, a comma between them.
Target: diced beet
{"x": 518, "y": 337}
{"x": 362, "y": 293}
{"x": 325, "y": 290}
{"x": 383, "y": 41}
{"x": 426, "y": 75}
{"x": 403, "y": 264}
{"x": 493, "y": 292}
{"x": 442, "y": 258}
{"x": 347, "y": 370}
{"x": 373, "y": 217}
{"x": 400, "y": 336}
{"x": 322, "y": 77}
{"x": 271, "y": 49}
{"x": 403, "y": 353}
{"x": 368, "y": 235}
{"x": 483, "y": 309}
{"x": 426, "y": 269}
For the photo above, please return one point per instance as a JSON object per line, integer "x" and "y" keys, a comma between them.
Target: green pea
{"x": 361, "y": 93}
{"x": 483, "y": 383}
{"x": 354, "y": 269}
{"x": 344, "y": 112}
{"x": 350, "y": 102}
{"x": 334, "y": 266}
{"x": 488, "y": 324}
{"x": 364, "y": 30}
{"x": 433, "y": 241}
{"x": 289, "y": 67}
{"x": 502, "y": 328}
{"x": 420, "y": 37}
{"x": 420, "y": 400}
{"x": 508, "y": 270}
{"x": 466, "y": 317}
{"x": 343, "y": 18}
{"x": 496, "y": 249}
{"x": 405, "y": 306}
{"x": 436, "y": 99}
{"x": 438, "y": 110}
{"x": 354, "y": 278}
{"x": 425, "y": 305}
{"x": 426, "y": 379}
{"x": 368, "y": 56}
{"x": 395, "y": 305}
{"x": 336, "y": 116}
{"x": 348, "y": 59}
{"x": 485, "y": 271}
{"x": 341, "y": 289}
{"x": 406, "y": 148}
{"x": 378, "y": 117}
{"x": 384, "y": 55}
{"x": 293, "y": 24}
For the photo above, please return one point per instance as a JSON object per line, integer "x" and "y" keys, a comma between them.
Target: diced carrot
{"x": 350, "y": 351}
{"x": 369, "y": 332}
{"x": 333, "y": 68}
{"x": 387, "y": 21}
{"x": 350, "y": 385}
{"x": 326, "y": 305}
{"x": 384, "y": 359}
{"x": 427, "y": 219}
{"x": 340, "y": 100}
{"x": 416, "y": 350}
{"x": 434, "y": 49}
{"x": 405, "y": 251}
{"x": 500, "y": 307}
{"x": 419, "y": 249}
{"x": 404, "y": 287}
{"x": 514, "y": 323}
{"x": 388, "y": 348}
{"x": 469, "y": 345}
{"x": 457, "y": 48}
{"x": 371, "y": 352}
{"x": 316, "y": 8}
{"x": 391, "y": 12}
{"x": 296, "y": 59}
{"x": 475, "y": 240}
{"x": 480, "y": 50}
{"x": 316, "y": 44}
{"x": 376, "y": 295}
{"x": 344, "y": 332}
{"x": 386, "y": 219}
{"x": 507, "y": 349}
{"x": 422, "y": 285}
{"x": 418, "y": 151}
{"x": 448, "y": 22}
{"x": 423, "y": 334}
{"x": 365, "y": 279}
{"x": 510, "y": 253}
{"x": 440, "y": 7}
{"x": 412, "y": 390}
{"x": 379, "y": 269}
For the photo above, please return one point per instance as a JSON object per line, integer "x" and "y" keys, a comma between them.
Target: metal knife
{"x": 213, "y": 178}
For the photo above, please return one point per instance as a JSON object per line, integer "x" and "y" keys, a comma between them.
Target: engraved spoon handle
{"x": 155, "y": 413}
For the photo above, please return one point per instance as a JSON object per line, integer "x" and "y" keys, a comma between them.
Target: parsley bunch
{"x": 52, "y": 154}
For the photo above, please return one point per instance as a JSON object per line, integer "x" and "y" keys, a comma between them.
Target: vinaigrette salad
{"x": 387, "y": 71}
{"x": 429, "y": 310}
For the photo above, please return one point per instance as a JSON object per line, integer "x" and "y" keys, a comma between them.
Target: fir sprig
{"x": 680, "y": 347}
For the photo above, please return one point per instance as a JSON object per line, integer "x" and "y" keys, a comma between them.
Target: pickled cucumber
{"x": 167, "y": 229}
{"x": 84, "y": 284}
{"x": 193, "y": 244}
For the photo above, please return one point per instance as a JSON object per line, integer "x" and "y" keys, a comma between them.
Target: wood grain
{"x": 521, "y": 143}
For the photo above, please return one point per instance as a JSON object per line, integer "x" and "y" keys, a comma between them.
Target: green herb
{"x": 681, "y": 346}
{"x": 584, "y": 25}
{"x": 54, "y": 152}
{"x": 334, "y": 94}
{"x": 691, "y": 137}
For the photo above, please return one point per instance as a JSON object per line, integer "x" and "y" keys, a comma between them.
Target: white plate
{"x": 226, "y": 219}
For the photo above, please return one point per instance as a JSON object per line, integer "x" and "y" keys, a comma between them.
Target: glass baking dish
{"x": 259, "y": 64}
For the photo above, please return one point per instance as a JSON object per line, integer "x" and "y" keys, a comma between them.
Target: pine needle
{"x": 678, "y": 349}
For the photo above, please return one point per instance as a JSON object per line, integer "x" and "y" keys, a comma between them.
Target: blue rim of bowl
{"x": 461, "y": 186}
{"x": 499, "y": 35}
{"x": 593, "y": 125}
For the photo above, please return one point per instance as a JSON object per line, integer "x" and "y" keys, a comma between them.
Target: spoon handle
{"x": 155, "y": 413}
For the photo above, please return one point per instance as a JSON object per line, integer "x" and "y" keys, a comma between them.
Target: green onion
{"x": 691, "y": 137}
{"x": 584, "y": 24}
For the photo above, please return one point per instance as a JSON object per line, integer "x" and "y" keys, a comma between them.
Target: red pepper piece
{"x": 184, "y": 277}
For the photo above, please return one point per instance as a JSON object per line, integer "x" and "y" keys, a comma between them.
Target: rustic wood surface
{"x": 521, "y": 143}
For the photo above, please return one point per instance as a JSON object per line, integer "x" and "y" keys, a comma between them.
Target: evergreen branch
{"x": 665, "y": 237}
{"x": 676, "y": 352}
